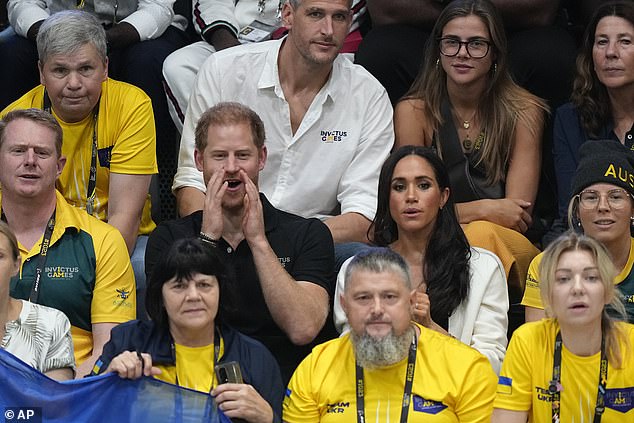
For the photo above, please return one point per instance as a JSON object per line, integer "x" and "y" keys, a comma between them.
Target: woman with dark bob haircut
{"x": 460, "y": 290}
{"x": 185, "y": 339}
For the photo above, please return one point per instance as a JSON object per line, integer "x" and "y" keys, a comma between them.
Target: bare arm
{"x": 522, "y": 182}
{"x": 221, "y": 38}
{"x": 348, "y": 227}
{"x": 410, "y": 124}
{"x": 522, "y": 177}
{"x": 33, "y": 30}
{"x": 532, "y": 314}
{"x": 501, "y": 415}
{"x": 189, "y": 200}
{"x": 100, "y": 335}
{"x": 523, "y": 14}
{"x": 414, "y": 12}
{"x": 65, "y": 373}
{"x": 127, "y": 194}
{"x": 151, "y": 18}
{"x": 122, "y": 35}
{"x": 300, "y": 308}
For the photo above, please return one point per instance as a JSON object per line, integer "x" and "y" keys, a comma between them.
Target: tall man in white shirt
{"x": 329, "y": 122}
{"x": 223, "y": 24}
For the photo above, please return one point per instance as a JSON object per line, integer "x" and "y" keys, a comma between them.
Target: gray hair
{"x": 67, "y": 31}
{"x": 37, "y": 116}
{"x": 379, "y": 260}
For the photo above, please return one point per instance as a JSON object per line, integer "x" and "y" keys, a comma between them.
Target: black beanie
{"x": 604, "y": 161}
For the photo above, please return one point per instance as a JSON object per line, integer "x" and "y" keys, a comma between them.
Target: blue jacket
{"x": 259, "y": 367}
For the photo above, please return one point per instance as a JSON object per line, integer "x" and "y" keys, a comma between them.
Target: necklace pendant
{"x": 466, "y": 124}
{"x": 467, "y": 144}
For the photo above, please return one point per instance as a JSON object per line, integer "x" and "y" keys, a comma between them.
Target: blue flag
{"x": 27, "y": 393}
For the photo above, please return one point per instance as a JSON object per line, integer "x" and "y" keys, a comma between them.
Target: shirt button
{"x": 229, "y": 250}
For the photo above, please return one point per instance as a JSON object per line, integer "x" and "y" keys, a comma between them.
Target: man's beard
{"x": 373, "y": 353}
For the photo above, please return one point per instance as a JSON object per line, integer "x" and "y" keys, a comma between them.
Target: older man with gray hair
{"x": 388, "y": 368}
{"x": 109, "y": 135}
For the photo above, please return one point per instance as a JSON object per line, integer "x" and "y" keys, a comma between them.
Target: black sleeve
{"x": 260, "y": 370}
{"x": 268, "y": 383}
{"x": 159, "y": 241}
{"x": 315, "y": 258}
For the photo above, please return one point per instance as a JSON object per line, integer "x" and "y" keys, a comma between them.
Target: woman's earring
{"x": 632, "y": 220}
{"x": 437, "y": 63}
{"x": 495, "y": 68}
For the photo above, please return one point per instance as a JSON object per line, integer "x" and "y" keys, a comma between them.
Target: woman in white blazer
{"x": 461, "y": 291}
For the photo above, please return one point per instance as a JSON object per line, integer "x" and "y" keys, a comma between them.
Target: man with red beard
{"x": 283, "y": 263}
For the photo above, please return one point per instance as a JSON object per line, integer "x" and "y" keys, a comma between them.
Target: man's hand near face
{"x": 212, "y": 224}
{"x": 253, "y": 217}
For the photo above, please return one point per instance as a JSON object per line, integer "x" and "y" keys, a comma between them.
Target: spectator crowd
{"x": 413, "y": 210}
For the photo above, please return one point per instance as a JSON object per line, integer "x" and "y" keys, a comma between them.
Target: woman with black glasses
{"x": 602, "y": 207}
{"x": 486, "y": 128}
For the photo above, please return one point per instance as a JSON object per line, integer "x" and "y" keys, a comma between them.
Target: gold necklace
{"x": 466, "y": 124}
{"x": 467, "y": 144}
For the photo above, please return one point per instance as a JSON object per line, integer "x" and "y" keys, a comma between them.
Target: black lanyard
{"x": 407, "y": 392}
{"x": 41, "y": 259}
{"x": 217, "y": 337}
{"x": 92, "y": 179}
{"x": 555, "y": 384}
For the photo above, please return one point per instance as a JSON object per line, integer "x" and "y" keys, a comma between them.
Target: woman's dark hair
{"x": 182, "y": 260}
{"x": 446, "y": 262}
{"x": 589, "y": 95}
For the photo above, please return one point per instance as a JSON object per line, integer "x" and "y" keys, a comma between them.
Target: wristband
{"x": 208, "y": 239}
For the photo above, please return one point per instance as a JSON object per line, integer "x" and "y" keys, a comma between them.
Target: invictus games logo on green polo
{"x": 61, "y": 273}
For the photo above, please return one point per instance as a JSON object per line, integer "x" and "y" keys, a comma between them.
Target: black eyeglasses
{"x": 476, "y": 48}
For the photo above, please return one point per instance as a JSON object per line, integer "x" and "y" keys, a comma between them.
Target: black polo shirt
{"x": 304, "y": 248}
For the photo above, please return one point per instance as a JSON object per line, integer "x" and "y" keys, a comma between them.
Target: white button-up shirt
{"x": 331, "y": 164}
